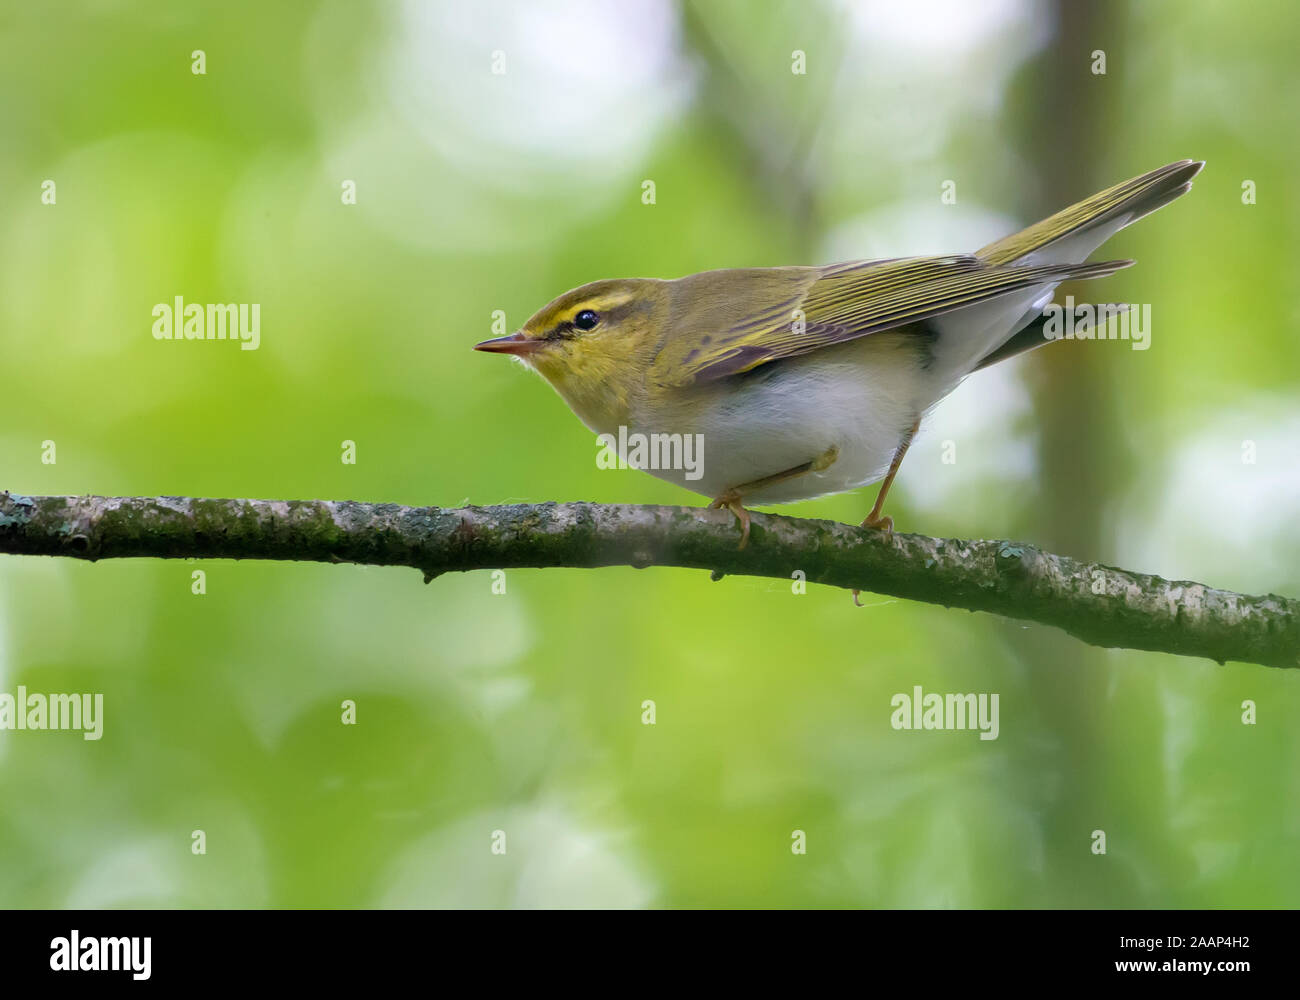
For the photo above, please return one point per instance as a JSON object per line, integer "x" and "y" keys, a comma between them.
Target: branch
{"x": 1098, "y": 604}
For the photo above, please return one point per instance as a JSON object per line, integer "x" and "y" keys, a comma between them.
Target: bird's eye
{"x": 586, "y": 320}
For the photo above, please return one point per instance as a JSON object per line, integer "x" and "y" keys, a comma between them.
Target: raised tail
{"x": 1069, "y": 236}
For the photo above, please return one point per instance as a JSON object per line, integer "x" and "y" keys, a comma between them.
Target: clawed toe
{"x": 876, "y": 523}
{"x": 885, "y": 524}
{"x": 732, "y": 502}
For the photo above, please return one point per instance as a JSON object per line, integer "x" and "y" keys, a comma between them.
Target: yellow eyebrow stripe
{"x": 610, "y": 300}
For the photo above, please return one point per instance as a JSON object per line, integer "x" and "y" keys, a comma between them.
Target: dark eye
{"x": 586, "y": 320}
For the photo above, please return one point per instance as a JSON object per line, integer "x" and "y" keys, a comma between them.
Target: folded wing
{"x": 854, "y": 300}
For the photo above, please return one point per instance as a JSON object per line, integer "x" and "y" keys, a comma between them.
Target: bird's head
{"x": 594, "y": 343}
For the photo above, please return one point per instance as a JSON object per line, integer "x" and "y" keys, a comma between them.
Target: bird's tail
{"x": 1069, "y": 236}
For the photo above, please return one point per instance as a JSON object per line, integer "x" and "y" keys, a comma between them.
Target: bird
{"x": 804, "y": 381}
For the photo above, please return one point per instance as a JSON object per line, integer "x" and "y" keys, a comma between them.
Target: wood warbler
{"x": 804, "y": 381}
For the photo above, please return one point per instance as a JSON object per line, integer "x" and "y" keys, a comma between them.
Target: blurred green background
{"x": 480, "y": 191}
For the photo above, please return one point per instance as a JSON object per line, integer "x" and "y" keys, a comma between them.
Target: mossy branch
{"x": 1101, "y": 605}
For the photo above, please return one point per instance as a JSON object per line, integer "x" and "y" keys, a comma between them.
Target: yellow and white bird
{"x": 805, "y": 381}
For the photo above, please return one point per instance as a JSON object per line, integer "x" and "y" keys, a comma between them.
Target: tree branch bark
{"x": 1101, "y": 605}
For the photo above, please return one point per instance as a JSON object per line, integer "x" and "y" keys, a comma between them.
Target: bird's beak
{"x": 516, "y": 344}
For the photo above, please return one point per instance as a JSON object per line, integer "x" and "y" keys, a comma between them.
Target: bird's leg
{"x": 875, "y": 519}
{"x": 733, "y": 498}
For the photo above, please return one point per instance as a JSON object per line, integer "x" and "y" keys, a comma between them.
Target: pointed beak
{"x": 516, "y": 344}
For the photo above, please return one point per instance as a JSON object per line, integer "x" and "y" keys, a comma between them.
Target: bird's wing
{"x": 848, "y": 301}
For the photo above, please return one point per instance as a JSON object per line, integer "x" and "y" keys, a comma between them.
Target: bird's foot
{"x": 877, "y": 522}
{"x": 732, "y": 501}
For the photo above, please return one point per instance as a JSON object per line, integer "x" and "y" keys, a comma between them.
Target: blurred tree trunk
{"x": 1081, "y": 452}
{"x": 1081, "y": 449}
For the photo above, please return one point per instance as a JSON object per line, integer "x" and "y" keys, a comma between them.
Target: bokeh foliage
{"x": 522, "y": 712}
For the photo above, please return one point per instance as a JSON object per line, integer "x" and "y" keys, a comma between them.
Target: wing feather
{"x": 851, "y": 301}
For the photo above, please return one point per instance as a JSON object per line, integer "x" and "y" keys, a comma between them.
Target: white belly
{"x": 859, "y": 398}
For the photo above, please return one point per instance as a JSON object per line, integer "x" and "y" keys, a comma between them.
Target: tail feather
{"x": 1073, "y": 233}
{"x": 1031, "y": 337}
